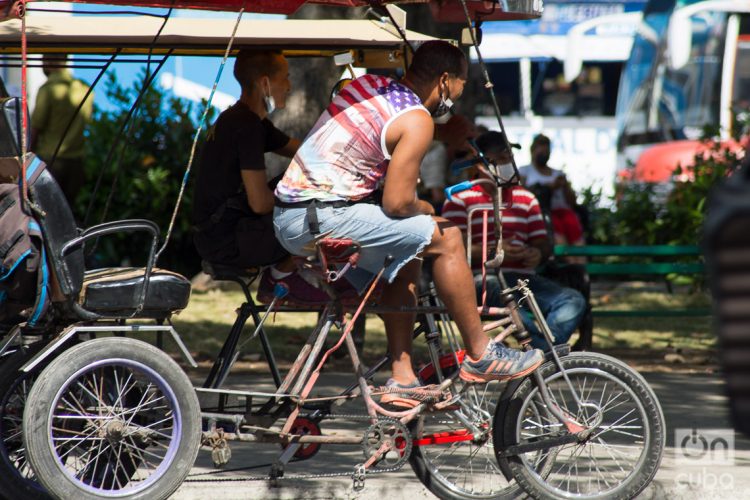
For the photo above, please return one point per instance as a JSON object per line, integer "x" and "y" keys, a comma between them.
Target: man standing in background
{"x": 56, "y": 105}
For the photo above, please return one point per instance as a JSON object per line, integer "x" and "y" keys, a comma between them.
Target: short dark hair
{"x": 540, "y": 139}
{"x": 251, "y": 65}
{"x": 493, "y": 141}
{"x": 436, "y": 57}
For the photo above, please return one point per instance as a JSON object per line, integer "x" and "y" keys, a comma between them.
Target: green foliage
{"x": 662, "y": 214}
{"x": 147, "y": 169}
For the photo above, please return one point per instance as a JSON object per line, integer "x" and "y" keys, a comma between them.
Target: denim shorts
{"x": 367, "y": 224}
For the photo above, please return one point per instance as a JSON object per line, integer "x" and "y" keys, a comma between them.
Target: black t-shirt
{"x": 237, "y": 141}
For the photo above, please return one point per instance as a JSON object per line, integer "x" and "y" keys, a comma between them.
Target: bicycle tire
{"x": 17, "y": 478}
{"x": 461, "y": 469}
{"x": 636, "y": 415}
{"x": 86, "y": 439}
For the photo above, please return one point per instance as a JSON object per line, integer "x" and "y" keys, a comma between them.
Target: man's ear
{"x": 265, "y": 84}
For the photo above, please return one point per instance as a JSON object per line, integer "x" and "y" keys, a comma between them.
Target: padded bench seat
{"x": 118, "y": 289}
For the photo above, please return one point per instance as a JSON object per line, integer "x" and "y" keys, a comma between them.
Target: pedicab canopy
{"x": 443, "y": 10}
{"x": 370, "y": 43}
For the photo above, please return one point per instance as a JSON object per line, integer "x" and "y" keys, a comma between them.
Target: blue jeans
{"x": 562, "y": 307}
{"x": 379, "y": 235}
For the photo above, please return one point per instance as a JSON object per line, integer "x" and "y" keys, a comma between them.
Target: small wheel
{"x": 450, "y": 461}
{"x": 17, "y": 478}
{"x": 112, "y": 418}
{"x": 616, "y": 461}
{"x": 305, "y": 426}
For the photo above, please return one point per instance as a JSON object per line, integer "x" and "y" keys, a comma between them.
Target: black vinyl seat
{"x": 110, "y": 293}
{"x": 115, "y": 291}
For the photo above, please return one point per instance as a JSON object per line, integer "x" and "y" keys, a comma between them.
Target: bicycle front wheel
{"x": 618, "y": 459}
{"x": 453, "y": 463}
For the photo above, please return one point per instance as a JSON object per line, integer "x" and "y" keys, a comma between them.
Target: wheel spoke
{"x": 603, "y": 462}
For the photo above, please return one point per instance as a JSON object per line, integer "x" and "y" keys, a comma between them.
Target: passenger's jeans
{"x": 562, "y": 307}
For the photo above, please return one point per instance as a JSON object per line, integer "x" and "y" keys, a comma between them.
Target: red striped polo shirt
{"x": 522, "y": 220}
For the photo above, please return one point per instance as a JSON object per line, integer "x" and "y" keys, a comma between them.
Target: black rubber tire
{"x": 114, "y": 354}
{"x": 534, "y": 484}
{"x": 14, "y": 388}
{"x": 442, "y": 487}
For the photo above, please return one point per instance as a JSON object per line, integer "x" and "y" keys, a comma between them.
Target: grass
{"x": 207, "y": 320}
{"x": 649, "y": 332}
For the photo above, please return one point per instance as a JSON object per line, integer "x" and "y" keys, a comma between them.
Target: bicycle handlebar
{"x": 457, "y": 188}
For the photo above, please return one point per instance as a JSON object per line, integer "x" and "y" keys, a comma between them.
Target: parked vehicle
{"x": 688, "y": 71}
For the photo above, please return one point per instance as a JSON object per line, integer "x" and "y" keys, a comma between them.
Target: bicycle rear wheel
{"x": 450, "y": 461}
{"x": 620, "y": 457}
{"x": 112, "y": 418}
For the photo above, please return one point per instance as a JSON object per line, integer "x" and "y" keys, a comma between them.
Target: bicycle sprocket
{"x": 396, "y": 436}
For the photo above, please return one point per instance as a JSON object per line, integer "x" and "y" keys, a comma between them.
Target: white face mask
{"x": 268, "y": 101}
{"x": 443, "y": 111}
{"x": 442, "y": 119}
{"x": 505, "y": 171}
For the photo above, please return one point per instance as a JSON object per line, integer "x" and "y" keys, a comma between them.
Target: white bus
{"x": 689, "y": 69}
{"x": 559, "y": 76}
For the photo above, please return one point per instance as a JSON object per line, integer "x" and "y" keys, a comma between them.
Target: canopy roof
{"x": 264, "y": 6}
{"x": 374, "y": 44}
{"x": 443, "y": 10}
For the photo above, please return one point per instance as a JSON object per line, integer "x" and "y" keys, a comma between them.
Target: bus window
{"x": 741, "y": 84}
{"x": 592, "y": 93}
{"x": 660, "y": 103}
{"x": 505, "y": 77}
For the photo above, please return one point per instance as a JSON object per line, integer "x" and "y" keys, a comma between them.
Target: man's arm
{"x": 538, "y": 251}
{"x": 40, "y": 116}
{"x": 290, "y": 149}
{"x": 259, "y": 195}
{"x": 407, "y": 138}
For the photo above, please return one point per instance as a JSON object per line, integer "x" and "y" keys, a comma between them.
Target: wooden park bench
{"x": 641, "y": 261}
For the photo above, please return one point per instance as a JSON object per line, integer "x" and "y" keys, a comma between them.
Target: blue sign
{"x": 560, "y": 16}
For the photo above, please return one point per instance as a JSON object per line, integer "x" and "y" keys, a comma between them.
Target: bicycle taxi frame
{"x": 113, "y": 417}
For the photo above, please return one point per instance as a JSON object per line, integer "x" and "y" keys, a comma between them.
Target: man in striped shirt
{"x": 526, "y": 245}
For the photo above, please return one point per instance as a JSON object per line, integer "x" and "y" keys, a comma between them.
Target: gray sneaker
{"x": 405, "y": 399}
{"x": 501, "y": 363}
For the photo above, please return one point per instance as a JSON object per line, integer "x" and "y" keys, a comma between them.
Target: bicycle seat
{"x": 333, "y": 252}
{"x": 114, "y": 290}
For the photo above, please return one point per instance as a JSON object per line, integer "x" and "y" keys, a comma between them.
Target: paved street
{"x": 689, "y": 401}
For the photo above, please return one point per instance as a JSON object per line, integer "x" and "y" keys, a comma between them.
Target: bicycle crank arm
{"x": 542, "y": 444}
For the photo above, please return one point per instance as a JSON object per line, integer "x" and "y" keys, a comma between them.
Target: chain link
{"x": 354, "y": 475}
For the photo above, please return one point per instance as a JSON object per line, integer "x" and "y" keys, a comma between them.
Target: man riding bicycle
{"x": 373, "y": 136}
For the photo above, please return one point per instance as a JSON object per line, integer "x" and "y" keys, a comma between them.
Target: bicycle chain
{"x": 302, "y": 476}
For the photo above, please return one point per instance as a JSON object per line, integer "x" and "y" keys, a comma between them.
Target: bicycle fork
{"x": 524, "y": 338}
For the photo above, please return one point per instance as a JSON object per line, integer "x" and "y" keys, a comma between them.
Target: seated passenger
{"x": 233, "y": 201}
{"x": 562, "y": 199}
{"x": 375, "y": 134}
{"x": 525, "y": 246}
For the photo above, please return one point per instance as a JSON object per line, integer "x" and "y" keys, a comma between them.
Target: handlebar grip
{"x": 457, "y": 188}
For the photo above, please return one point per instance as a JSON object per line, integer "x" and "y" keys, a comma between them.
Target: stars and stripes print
{"x": 344, "y": 157}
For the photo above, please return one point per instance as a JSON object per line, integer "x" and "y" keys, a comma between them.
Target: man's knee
{"x": 570, "y": 304}
{"x": 447, "y": 237}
